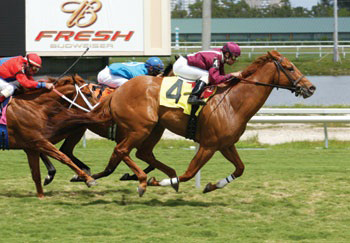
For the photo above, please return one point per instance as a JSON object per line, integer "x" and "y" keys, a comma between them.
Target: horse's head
{"x": 76, "y": 90}
{"x": 290, "y": 76}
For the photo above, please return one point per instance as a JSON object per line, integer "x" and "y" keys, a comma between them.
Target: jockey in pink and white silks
{"x": 207, "y": 67}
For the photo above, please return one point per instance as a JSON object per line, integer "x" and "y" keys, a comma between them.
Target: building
{"x": 183, "y": 4}
{"x": 262, "y": 3}
{"x": 262, "y": 29}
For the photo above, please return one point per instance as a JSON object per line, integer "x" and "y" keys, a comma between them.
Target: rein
{"x": 73, "y": 103}
{"x": 279, "y": 68}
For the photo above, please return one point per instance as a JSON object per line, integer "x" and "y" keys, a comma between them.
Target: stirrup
{"x": 194, "y": 100}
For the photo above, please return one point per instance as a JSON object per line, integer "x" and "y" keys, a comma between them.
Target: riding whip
{"x": 73, "y": 64}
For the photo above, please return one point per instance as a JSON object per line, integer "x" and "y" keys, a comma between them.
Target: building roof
{"x": 261, "y": 25}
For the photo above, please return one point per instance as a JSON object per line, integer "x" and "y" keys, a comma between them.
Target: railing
{"x": 297, "y": 50}
{"x": 303, "y": 115}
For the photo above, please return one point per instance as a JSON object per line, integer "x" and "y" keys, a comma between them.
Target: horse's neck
{"x": 249, "y": 98}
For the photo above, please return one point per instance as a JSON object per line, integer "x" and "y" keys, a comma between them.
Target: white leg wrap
{"x": 224, "y": 182}
{"x": 168, "y": 182}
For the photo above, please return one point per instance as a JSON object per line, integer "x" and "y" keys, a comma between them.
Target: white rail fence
{"x": 297, "y": 50}
{"x": 303, "y": 115}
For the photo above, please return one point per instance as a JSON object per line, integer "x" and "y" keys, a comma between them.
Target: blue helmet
{"x": 155, "y": 63}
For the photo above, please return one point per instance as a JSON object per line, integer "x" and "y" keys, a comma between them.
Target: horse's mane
{"x": 58, "y": 82}
{"x": 255, "y": 65}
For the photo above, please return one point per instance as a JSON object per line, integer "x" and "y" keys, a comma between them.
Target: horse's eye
{"x": 89, "y": 95}
{"x": 291, "y": 69}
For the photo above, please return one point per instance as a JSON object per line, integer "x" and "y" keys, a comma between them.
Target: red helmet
{"x": 232, "y": 48}
{"x": 34, "y": 60}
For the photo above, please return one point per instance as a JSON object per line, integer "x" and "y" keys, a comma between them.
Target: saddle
{"x": 175, "y": 92}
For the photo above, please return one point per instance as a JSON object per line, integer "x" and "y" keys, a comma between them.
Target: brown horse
{"x": 104, "y": 130}
{"x": 141, "y": 120}
{"x": 29, "y": 117}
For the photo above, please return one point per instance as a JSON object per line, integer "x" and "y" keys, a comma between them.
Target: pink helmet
{"x": 34, "y": 60}
{"x": 232, "y": 48}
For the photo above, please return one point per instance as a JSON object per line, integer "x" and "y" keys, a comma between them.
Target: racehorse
{"x": 73, "y": 138}
{"x": 29, "y": 116}
{"x": 141, "y": 121}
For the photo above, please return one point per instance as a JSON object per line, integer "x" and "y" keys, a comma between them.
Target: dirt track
{"x": 279, "y": 133}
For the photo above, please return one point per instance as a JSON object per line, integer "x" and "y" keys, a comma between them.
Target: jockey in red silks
{"x": 20, "y": 69}
{"x": 207, "y": 67}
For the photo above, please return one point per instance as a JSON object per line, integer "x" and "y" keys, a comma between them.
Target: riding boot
{"x": 196, "y": 93}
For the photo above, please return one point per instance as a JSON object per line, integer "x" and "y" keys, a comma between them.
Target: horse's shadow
{"x": 126, "y": 199}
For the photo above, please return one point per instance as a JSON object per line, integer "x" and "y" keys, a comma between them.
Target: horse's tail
{"x": 66, "y": 121}
{"x": 102, "y": 113}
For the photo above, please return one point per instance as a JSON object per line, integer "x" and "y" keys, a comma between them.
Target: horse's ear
{"x": 273, "y": 55}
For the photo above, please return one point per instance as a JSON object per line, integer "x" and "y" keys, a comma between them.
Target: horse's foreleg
{"x": 51, "y": 170}
{"x": 201, "y": 157}
{"x": 230, "y": 154}
{"x": 33, "y": 160}
{"x": 68, "y": 146}
{"x": 49, "y": 149}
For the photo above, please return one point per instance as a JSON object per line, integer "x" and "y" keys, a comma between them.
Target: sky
{"x": 303, "y": 3}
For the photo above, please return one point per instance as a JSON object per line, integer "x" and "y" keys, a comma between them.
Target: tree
{"x": 178, "y": 13}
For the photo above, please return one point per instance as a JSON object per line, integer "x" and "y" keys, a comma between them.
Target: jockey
{"x": 117, "y": 74}
{"x": 207, "y": 67}
{"x": 20, "y": 69}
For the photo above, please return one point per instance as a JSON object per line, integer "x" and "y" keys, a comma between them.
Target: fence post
{"x": 325, "y": 135}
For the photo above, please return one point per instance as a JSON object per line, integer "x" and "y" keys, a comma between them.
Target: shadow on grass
{"x": 125, "y": 200}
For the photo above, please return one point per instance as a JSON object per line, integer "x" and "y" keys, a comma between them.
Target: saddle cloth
{"x": 100, "y": 91}
{"x": 175, "y": 91}
{"x": 4, "y": 140}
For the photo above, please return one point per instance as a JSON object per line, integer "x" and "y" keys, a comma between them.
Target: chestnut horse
{"x": 101, "y": 129}
{"x": 29, "y": 116}
{"x": 141, "y": 121}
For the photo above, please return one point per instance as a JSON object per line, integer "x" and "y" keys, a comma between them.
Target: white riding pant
{"x": 106, "y": 78}
{"x": 182, "y": 69}
{"x": 6, "y": 89}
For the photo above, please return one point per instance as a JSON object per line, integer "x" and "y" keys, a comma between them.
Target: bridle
{"x": 280, "y": 68}
{"x": 73, "y": 103}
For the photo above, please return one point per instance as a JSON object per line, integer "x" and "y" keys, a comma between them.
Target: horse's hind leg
{"x": 145, "y": 153}
{"x": 51, "y": 170}
{"x": 232, "y": 155}
{"x": 33, "y": 160}
{"x": 49, "y": 149}
{"x": 121, "y": 152}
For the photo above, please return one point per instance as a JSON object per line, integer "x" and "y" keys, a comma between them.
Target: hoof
{"x": 128, "y": 177}
{"x": 152, "y": 182}
{"x": 91, "y": 183}
{"x": 141, "y": 191}
{"x": 209, "y": 187}
{"x": 175, "y": 186}
{"x": 76, "y": 178}
{"x": 48, "y": 180}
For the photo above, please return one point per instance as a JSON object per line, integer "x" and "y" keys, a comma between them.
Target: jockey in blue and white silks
{"x": 117, "y": 74}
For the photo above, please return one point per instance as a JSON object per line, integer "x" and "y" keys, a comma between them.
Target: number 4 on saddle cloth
{"x": 4, "y": 140}
{"x": 174, "y": 93}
